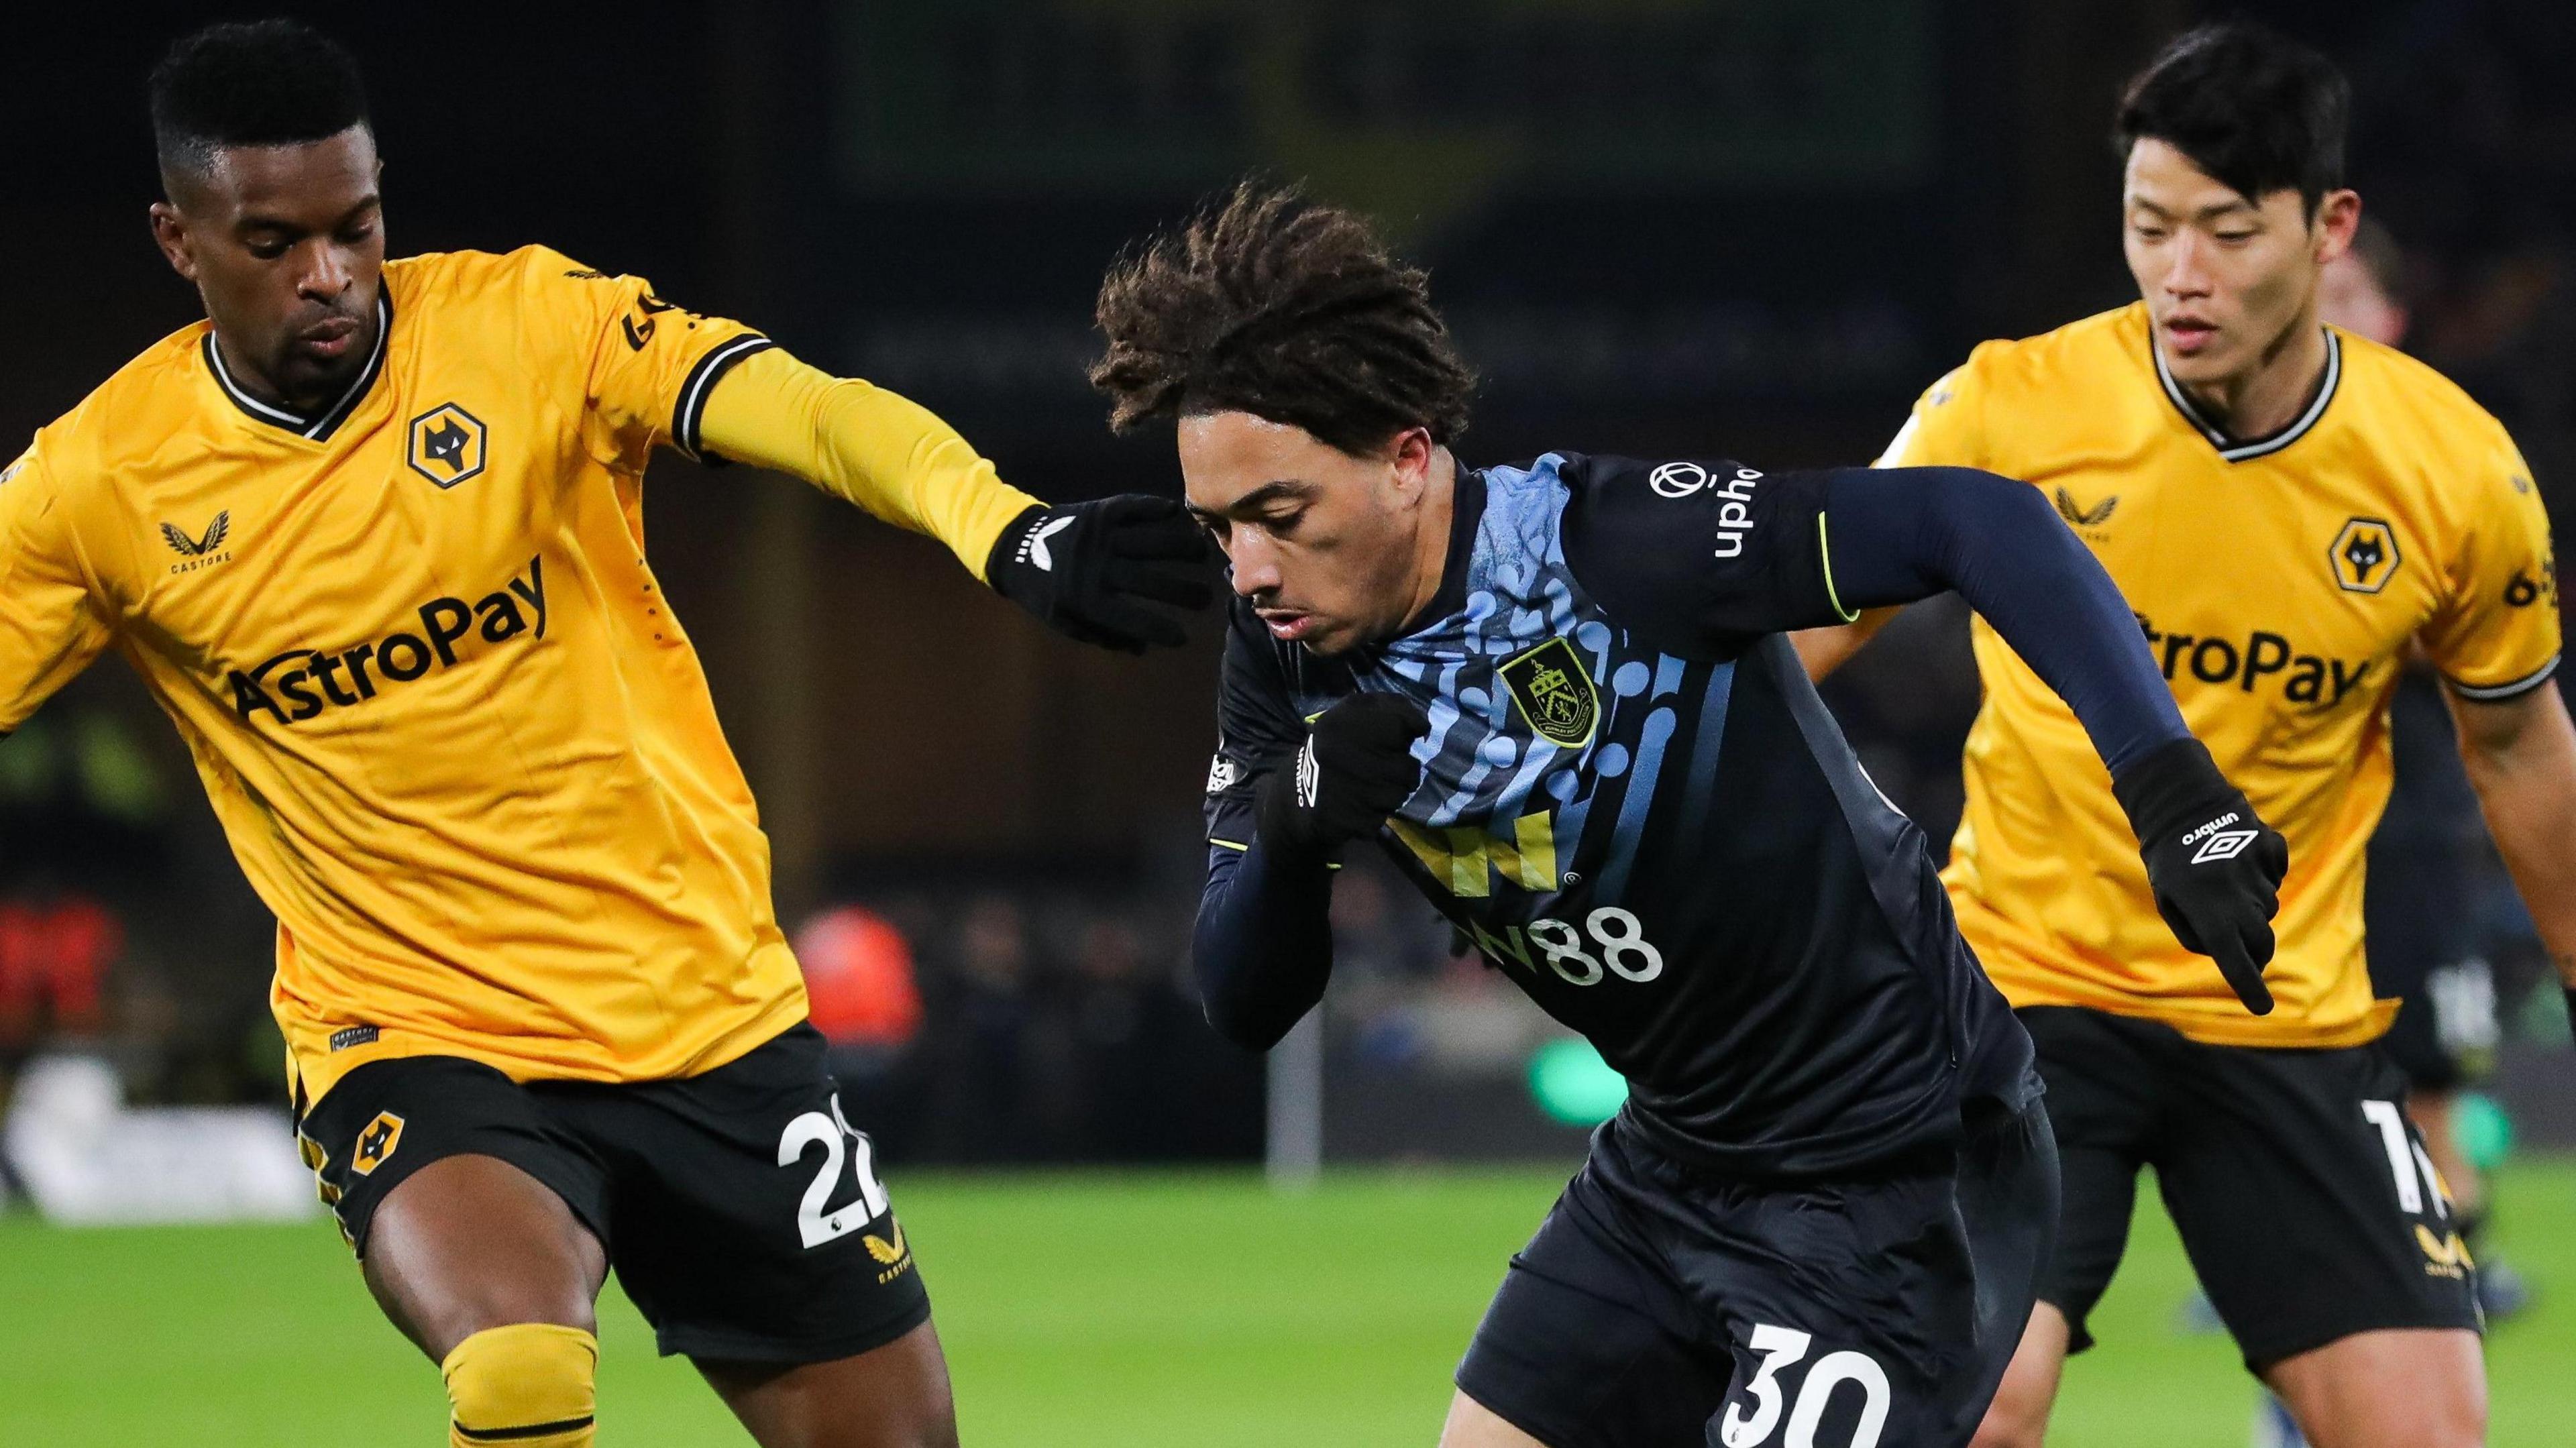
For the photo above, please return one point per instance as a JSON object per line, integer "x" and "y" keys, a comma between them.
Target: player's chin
{"x": 305, "y": 373}
{"x": 1326, "y": 637}
{"x": 2208, "y": 356}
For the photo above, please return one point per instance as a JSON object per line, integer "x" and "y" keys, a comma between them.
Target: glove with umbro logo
{"x": 1355, "y": 768}
{"x": 2214, "y": 866}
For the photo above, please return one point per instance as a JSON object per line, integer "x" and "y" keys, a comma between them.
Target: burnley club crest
{"x": 1554, "y": 693}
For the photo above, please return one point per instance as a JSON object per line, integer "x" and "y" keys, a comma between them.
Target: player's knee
{"x": 530, "y": 1385}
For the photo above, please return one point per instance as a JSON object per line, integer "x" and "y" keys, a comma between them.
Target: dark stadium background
{"x": 1752, "y": 229}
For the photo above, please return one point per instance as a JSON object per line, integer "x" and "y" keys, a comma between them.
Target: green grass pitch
{"x": 1078, "y": 1310}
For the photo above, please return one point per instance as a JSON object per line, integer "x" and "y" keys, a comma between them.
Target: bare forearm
{"x": 2523, "y": 764}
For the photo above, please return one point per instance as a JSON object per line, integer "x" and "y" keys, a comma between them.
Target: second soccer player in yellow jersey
{"x": 2290, "y": 511}
{"x": 372, "y": 536}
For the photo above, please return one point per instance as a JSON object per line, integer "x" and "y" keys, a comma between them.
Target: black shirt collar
{"x": 1466, "y": 511}
{"x": 315, "y": 427}
{"x": 2235, "y": 451}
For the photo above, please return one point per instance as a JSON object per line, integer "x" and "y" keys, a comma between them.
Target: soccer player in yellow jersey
{"x": 2289, "y": 510}
{"x": 371, "y": 536}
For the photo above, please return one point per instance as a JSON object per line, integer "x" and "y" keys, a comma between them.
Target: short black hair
{"x": 1273, "y": 304}
{"x": 263, "y": 83}
{"x": 2250, "y": 107}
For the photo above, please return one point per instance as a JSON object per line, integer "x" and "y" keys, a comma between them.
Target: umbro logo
{"x": 1223, "y": 774}
{"x": 2217, "y": 842}
{"x": 200, "y": 550}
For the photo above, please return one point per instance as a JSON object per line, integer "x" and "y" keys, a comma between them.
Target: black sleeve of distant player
{"x": 1698, "y": 558}
{"x": 1263, "y": 945}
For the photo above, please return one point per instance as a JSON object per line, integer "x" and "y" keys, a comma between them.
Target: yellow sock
{"x": 528, "y": 1385}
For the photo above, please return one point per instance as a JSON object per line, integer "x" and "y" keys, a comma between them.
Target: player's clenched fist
{"x": 1355, "y": 768}
{"x": 2214, "y": 866}
{"x": 1090, "y": 570}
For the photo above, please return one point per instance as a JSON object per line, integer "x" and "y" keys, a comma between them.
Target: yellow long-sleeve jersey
{"x": 2280, "y": 582}
{"x": 457, "y": 740}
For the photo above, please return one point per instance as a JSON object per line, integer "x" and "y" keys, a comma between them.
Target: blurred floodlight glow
{"x": 1573, "y": 1084}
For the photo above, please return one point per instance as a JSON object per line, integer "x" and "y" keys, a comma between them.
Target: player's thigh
{"x": 2018, "y": 1416}
{"x": 2308, "y": 1205}
{"x": 2105, "y": 1104}
{"x": 1473, "y": 1425}
{"x": 467, "y": 1208}
{"x": 752, "y": 1222}
{"x": 894, "y": 1396}
{"x": 470, "y": 1243}
{"x": 2390, "y": 1389}
{"x": 1589, "y": 1342}
{"x": 1881, "y": 1313}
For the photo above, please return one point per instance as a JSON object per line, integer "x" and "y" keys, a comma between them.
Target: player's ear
{"x": 170, "y": 233}
{"x": 2338, "y": 217}
{"x": 1409, "y": 453}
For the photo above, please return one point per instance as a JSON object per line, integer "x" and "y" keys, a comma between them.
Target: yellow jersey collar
{"x": 318, "y": 426}
{"x": 2235, "y": 451}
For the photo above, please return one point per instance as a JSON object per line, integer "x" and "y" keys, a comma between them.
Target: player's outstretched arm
{"x": 1894, "y": 535}
{"x": 1264, "y": 945}
{"x": 1701, "y": 558}
{"x": 1101, "y": 572}
{"x": 2521, "y": 758}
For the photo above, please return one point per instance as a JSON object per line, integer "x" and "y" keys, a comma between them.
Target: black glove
{"x": 1087, "y": 570}
{"x": 1355, "y": 769}
{"x": 2215, "y": 868}
{"x": 2571, "y": 1008}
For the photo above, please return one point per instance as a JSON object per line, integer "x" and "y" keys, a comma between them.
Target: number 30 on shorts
{"x": 831, "y": 1133}
{"x": 1783, "y": 1348}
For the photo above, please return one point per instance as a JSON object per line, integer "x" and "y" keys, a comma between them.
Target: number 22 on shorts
{"x": 813, "y": 1225}
{"x": 1782, "y": 1348}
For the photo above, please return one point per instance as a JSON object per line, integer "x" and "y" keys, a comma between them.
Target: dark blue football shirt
{"x": 1634, "y": 804}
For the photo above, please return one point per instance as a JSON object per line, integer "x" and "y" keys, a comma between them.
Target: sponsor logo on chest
{"x": 302, "y": 683}
{"x": 2257, "y": 661}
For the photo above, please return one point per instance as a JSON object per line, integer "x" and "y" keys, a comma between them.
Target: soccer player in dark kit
{"x": 1557, "y": 693}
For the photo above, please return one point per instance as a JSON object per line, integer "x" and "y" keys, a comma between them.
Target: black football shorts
{"x": 743, "y": 1215}
{"x": 1657, "y": 1308}
{"x": 2301, "y": 1191}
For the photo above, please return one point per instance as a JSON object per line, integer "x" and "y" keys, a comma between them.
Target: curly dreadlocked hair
{"x": 1273, "y": 304}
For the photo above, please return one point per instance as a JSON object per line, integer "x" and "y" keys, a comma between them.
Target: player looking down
{"x": 1558, "y": 694}
{"x": 371, "y": 534}
{"x": 2290, "y": 509}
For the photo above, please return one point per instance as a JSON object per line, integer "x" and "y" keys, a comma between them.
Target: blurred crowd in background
{"x": 1022, "y": 1006}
